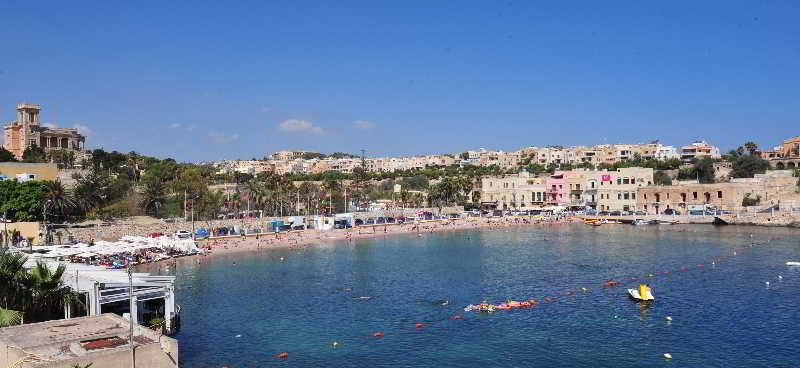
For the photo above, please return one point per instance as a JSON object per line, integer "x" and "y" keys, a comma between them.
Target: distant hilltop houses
{"x": 308, "y": 162}
{"x": 26, "y": 132}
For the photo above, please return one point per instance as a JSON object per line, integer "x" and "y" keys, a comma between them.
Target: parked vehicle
{"x": 671, "y": 211}
{"x": 183, "y": 234}
{"x": 615, "y": 213}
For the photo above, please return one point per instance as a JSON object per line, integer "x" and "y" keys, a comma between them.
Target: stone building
{"x": 521, "y": 191}
{"x": 788, "y": 157}
{"x": 698, "y": 150}
{"x": 617, "y": 190}
{"x": 771, "y": 188}
{"x": 26, "y": 132}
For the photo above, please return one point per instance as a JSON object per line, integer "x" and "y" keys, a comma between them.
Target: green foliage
{"x": 661, "y": 178}
{"x": 64, "y": 158}
{"x": 34, "y": 154}
{"x": 748, "y": 201}
{"x": 23, "y": 201}
{"x": 748, "y": 165}
{"x": 703, "y": 170}
{"x": 39, "y": 294}
{"x": 10, "y": 317}
{"x": 6, "y": 155}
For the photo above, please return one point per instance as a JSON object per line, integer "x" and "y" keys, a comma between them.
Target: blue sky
{"x": 206, "y": 80}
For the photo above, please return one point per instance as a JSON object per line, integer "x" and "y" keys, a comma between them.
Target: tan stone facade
{"x": 789, "y": 155}
{"x": 771, "y": 187}
{"x": 26, "y": 132}
{"x": 514, "y": 191}
{"x": 617, "y": 190}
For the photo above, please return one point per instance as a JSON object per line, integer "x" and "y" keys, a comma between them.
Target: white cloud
{"x": 49, "y": 125}
{"x": 222, "y": 138}
{"x": 363, "y": 124}
{"x": 300, "y": 126}
{"x": 174, "y": 126}
{"x": 83, "y": 129}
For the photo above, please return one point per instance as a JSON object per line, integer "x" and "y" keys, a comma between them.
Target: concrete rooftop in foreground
{"x": 93, "y": 337}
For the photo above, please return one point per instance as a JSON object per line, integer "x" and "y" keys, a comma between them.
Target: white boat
{"x": 640, "y": 222}
{"x": 793, "y": 263}
{"x": 643, "y": 294}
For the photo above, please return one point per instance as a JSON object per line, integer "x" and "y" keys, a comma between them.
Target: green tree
{"x": 34, "y": 154}
{"x": 661, "y": 178}
{"x": 6, "y": 155}
{"x": 749, "y": 165}
{"x": 60, "y": 202}
{"x": 153, "y": 196}
{"x": 702, "y": 170}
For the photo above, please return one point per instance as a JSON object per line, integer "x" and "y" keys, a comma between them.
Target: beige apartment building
{"x": 521, "y": 191}
{"x": 771, "y": 187}
{"x": 617, "y": 190}
{"x": 699, "y": 149}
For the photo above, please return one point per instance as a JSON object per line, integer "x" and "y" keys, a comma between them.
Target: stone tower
{"x": 28, "y": 114}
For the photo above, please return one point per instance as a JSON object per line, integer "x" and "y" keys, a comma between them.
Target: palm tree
{"x": 45, "y": 293}
{"x": 153, "y": 196}
{"x": 60, "y": 202}
{"x": 11, "y": 272}
{"x": 10, "y": 317}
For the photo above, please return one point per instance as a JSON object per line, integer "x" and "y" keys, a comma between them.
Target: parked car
{"x": 497, "y": 213}
{"x": 183, "y": 234}
{"x": 640, "y": 213}
{"x": 671, "y": 211}
{"x": 370, "y": 221}
{"x": 615, "y": 213}
{"x": 602, "y": 213}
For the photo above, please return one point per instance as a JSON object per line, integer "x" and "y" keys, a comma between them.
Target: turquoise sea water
{"x": 724, "y": 315}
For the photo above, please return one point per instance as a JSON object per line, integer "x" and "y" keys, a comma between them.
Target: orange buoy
{"x": 377, "y": 334}
{"x": 283, "y": 355}
{"x": 419, "y": 325}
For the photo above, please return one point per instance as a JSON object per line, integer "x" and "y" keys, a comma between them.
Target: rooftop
{"x": 70, "y": 338}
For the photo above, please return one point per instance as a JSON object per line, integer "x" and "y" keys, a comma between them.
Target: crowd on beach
{"x": 289, "y": 238}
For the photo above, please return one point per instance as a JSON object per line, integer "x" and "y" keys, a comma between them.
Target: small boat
{"x": 662, "y": 222}
{"x": 643, "y": 294}
{"x": 793, "y": 263}
{"x": 640, "y": 222}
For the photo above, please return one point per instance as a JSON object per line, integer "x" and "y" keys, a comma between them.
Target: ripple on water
{"x": 722, "y": 315}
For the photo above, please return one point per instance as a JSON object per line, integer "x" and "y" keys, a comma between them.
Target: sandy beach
{"x": 307, "y": 238}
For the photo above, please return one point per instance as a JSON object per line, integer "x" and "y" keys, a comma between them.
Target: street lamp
{"x": 46, "y": 228}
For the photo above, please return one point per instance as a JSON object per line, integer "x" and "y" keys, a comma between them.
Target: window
{"x": 626, "y": 181}
{"x": 619, "y": 195}
{"x": 719, "y": 194}
{"x": 633, "y": 195}
{"x": 645, "y": 196}
{"x": 694, "y": 194}
{"x": 626, "y": 196}
{"x": 577, "y": 187}
{"x": 619, "y": 181}
{"x": 560, "y": 186}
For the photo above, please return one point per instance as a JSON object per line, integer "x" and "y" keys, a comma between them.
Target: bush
{"x": 748, "y": 201}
